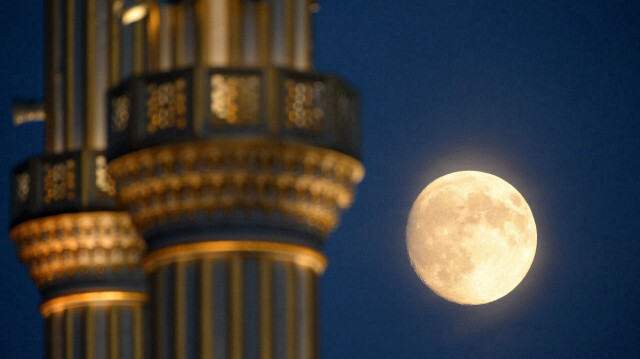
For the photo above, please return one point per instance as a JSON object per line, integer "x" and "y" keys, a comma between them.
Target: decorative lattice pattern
{"x": 166, "y": 105}
{"x": 104, "y": 182}
{"x": 235, "y": 100}
{"x": 279, "y": 103}
{"x": 23, "y": 183}
{"x": 121, "y": 109}
{"x": 59, "y": 181}
{"x": 305, "y": 104}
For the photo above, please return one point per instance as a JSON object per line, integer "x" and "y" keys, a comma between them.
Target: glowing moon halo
{"x": 471, "y": 237}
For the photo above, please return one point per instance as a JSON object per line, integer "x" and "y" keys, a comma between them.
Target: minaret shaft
{"x": 233, "y": 300}
{"x": 86, "y": 266}
{"x": 234, "y": 160}
{"x": 95, "y": 325}
{"x": 229, "y": 33}
{"x": 231, "y": 156}
{"x": 81, "y": 252}
{"x": 76, "y": 74}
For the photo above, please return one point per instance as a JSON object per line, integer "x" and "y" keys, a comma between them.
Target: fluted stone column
{"x": 234, "y": 299}
{"x": 93, "y": 294}
{"x": 81, "y": 250}
{"x": 235, "y": 160}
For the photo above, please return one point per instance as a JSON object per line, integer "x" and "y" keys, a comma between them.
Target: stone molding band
{"x": 60, "y": 246}
{"x": 87, "y": 299}
{"x": 280, "y": 183}
{"x": 299, "y": 255}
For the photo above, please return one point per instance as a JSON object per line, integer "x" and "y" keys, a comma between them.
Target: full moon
{"x": 471, "y": 237}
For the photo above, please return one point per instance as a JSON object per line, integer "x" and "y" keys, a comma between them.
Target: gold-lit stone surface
{"x": 58, "y": 246}
{"x": 121, "y": 106}
{"x": 299, "y": 255}
{"x": 82, "y": 300}
{"x": 167, "y": 105}
{"x": 23, "y": 181}
{"x": 253, "y": 299}
{"x": 104, "y": 182}
{"x": 235, "y": 100}
{"x": 95, "y": 325}
{"x": 307, "y": 183}
{"x": 305, "y": 104}
{"x": 59, "y": 181}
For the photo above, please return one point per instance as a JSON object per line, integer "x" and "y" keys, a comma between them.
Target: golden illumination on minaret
{"x": 234, "y": 159}
{"x": 82, "y": 252}
{"x": 226, "y": 151}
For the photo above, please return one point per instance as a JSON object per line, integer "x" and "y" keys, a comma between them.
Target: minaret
{"x": 81, "y": 252}
{"x": 234, "y": 159}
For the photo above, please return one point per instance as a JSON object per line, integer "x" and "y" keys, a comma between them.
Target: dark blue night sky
{"x": 545, "y": 94}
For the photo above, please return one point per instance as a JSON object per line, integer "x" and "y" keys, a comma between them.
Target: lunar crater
{"x": 471, "y": 237}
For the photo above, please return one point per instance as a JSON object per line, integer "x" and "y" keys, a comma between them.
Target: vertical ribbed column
{"x": 140, "y": 47}
{"x": 235, "y": 35}
{"x": 76, "y": 74}
{"x": 302, "y": 41}
{"x": 234, "y": 300}
{"x": 282, "y": 30}
{"x": 128, "y": 45}
{"x": 166, "y": 37}
{"x": 54, "y": 84}
{"x": 153, "y": 32}
{"x": 263, "y": 32}
{"x": 86, "y": 267}
{"x": 220, "y": 28}
{"x": 235, "y": 177}
{"x": 213, "y": 32}
{"x": 96, "y": 72}
{"x": 250, "y": 33}
{"x": 73, "y": 72}
{"x": 115, "y": 44}
{"x": 94, "y": 325}
{"x": 185, "y": 29}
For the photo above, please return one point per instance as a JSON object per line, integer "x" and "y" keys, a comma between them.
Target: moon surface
{"x": 471, "y": 237}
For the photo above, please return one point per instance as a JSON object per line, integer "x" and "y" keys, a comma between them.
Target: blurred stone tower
{"x": 231, "y": 156}
{"x": 81, "y": 250}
